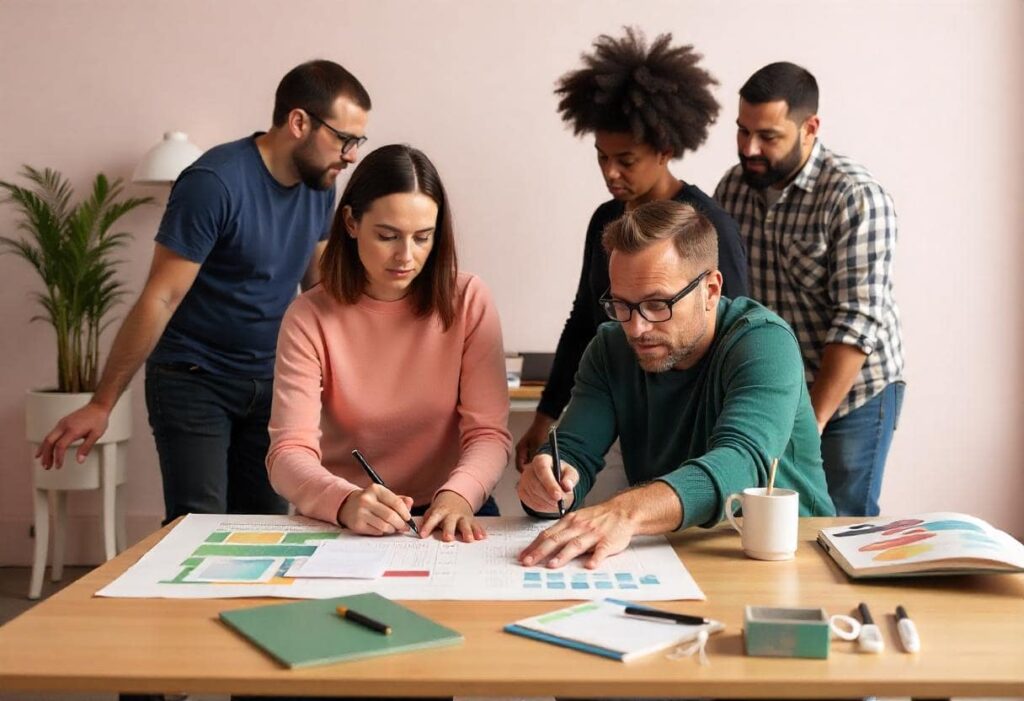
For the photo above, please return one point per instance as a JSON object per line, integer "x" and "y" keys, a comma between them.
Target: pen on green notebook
{"x": 365, "y": 621}
{"x": 377, "y": 480}
{"x": 556, "y": 465}
{"x": 681, "y": 618}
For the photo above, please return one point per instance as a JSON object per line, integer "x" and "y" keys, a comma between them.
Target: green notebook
{"x": 311, "y": 632}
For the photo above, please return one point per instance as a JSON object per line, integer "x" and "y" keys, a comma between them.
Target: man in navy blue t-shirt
{"x": 245, "y": 225}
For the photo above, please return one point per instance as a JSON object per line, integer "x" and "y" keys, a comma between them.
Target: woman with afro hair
{"x": 645, "y": 107}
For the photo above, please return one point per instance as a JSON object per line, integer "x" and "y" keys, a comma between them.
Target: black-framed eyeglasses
{"x": 348, "y": 141}
{"x": 653, "y": 310}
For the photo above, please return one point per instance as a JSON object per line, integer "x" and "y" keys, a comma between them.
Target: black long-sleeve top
{"x": 587, "y": 314}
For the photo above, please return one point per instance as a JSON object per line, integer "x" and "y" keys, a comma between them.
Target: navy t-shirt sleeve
{"x": 197, "y": 212}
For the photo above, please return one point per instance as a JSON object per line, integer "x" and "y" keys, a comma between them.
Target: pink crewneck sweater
{"x": 427, "y": 408}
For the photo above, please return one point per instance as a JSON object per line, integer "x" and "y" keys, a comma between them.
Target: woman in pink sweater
{"x": 395, "y": 354}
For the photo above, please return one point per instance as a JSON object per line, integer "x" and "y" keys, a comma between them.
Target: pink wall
{"x": 927, "y": 94}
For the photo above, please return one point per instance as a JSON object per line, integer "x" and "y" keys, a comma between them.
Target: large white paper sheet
{"x": 417, "y": 569}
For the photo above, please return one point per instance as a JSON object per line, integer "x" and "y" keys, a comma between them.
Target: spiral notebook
{"x": 603, "y": 628}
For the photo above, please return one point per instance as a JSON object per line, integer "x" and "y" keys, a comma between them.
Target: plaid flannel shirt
{"x": 821, "y": 257}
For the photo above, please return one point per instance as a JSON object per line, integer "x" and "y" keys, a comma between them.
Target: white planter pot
{"x": 42, "y": 412}
{"x": 105, "y": 468}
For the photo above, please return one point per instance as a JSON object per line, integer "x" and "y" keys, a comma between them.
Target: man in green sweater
{"x": 703, "y": 392}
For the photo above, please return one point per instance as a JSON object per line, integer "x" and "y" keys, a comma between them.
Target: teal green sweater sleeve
{"x": 588, "y": 428}
{"x": 759, "y": 386}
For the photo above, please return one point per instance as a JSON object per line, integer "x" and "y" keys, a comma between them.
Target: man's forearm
{"x": 652, "y": 508}
{"x": 134, "y": 342}
{"x": 840, "y": 366}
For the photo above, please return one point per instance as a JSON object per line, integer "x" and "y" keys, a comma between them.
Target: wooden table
{"x": 972, "y": 632}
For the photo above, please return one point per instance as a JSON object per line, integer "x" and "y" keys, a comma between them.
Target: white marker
{"x": 870, "y": 639}
{"x": 907, "y": 630}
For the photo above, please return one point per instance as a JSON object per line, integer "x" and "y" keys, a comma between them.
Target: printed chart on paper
{"x": 227, "y": 556}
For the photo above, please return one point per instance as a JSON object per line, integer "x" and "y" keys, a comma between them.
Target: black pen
{"x": 377, "y": 480}
{"x": 363, "y": 620}
{"x": 556, "y": 466}
{"x": 667, "y": 615}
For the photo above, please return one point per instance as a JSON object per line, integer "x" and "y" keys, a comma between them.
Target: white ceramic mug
{"x": 769, "y": 530}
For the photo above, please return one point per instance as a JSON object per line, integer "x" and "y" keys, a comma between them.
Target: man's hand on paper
{"x": 601, "y": 530}
{"x": 538, "y": 488}
{"x": 606, "y": 529}
{"x": 451, "y": 515}
{"x": 375, "y": 510}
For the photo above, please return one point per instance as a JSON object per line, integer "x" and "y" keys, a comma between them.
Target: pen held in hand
{"x": 556, "y": 466}
{"x": 680, "y": 618}
{"x": 363, "y": 620}
{"x": 377, "y": 480}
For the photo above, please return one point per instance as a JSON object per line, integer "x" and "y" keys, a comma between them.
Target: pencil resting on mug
{"x": 556, "y": 465}
{"x": 771, "y": 477}
{"x": 377, "y": 480}
{"x": 681, "y": 618}
{"x": 365, "y": 621}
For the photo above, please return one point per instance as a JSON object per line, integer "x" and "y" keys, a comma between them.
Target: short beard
{"x": 310, "y": 175}
{"x": 778, "y": 172}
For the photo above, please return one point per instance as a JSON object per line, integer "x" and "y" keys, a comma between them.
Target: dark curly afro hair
{"x": 660, "y": 94}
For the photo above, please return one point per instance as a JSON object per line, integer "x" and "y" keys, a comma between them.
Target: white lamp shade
{"x": 165, "y": 161}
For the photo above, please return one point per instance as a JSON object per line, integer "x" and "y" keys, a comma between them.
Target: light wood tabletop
{"x": 971, "y": 627}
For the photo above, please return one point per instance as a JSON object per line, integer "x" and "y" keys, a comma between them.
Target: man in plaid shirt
{"x": 820, "y": 235}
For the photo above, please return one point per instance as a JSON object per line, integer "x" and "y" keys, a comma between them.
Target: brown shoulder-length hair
{"x": 386, "y": 171}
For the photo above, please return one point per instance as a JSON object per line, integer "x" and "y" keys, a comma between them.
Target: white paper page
{"x": 605, "y": 624}
{"x": 648, "y": 570}
{"x": 341, "y": 560}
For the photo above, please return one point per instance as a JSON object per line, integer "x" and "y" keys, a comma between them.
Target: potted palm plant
{"x": 73, "y": 248}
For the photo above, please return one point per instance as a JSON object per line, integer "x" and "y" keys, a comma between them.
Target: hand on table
{"x": 451, "y": 515}
{"x": 601, "y": 530}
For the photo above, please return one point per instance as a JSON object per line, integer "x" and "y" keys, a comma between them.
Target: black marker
{"x": 870, "y": 638}
{"x": 377, "y": 480}
{"x": 907, "y": 630}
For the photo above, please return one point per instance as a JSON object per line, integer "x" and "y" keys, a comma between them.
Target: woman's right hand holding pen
{"x": 538, "y": 488}
{"x": 375, "y": 510}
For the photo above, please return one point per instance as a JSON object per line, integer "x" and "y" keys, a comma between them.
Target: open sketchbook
{"x": 603, "y": 628}
{"x": 922, "y": 544}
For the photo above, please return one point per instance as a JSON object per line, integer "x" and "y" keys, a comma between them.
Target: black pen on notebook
{"x": 556, "y": 465}
{"x": 680, "y": 618}
{"x": 377, "y": 480}
{"x": 365, "y": 621}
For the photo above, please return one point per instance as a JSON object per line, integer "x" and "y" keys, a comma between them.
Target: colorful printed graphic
{"x": 905, "y": 539}
{"x": 247, "y": 557}
{"x": 555, "y": 579}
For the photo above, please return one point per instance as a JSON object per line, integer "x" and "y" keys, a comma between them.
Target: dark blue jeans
{"x": 854, "y": 449}
{"x": 211, "y": 437}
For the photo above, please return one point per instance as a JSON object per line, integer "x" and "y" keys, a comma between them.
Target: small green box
{"x": 786, "y": 632}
